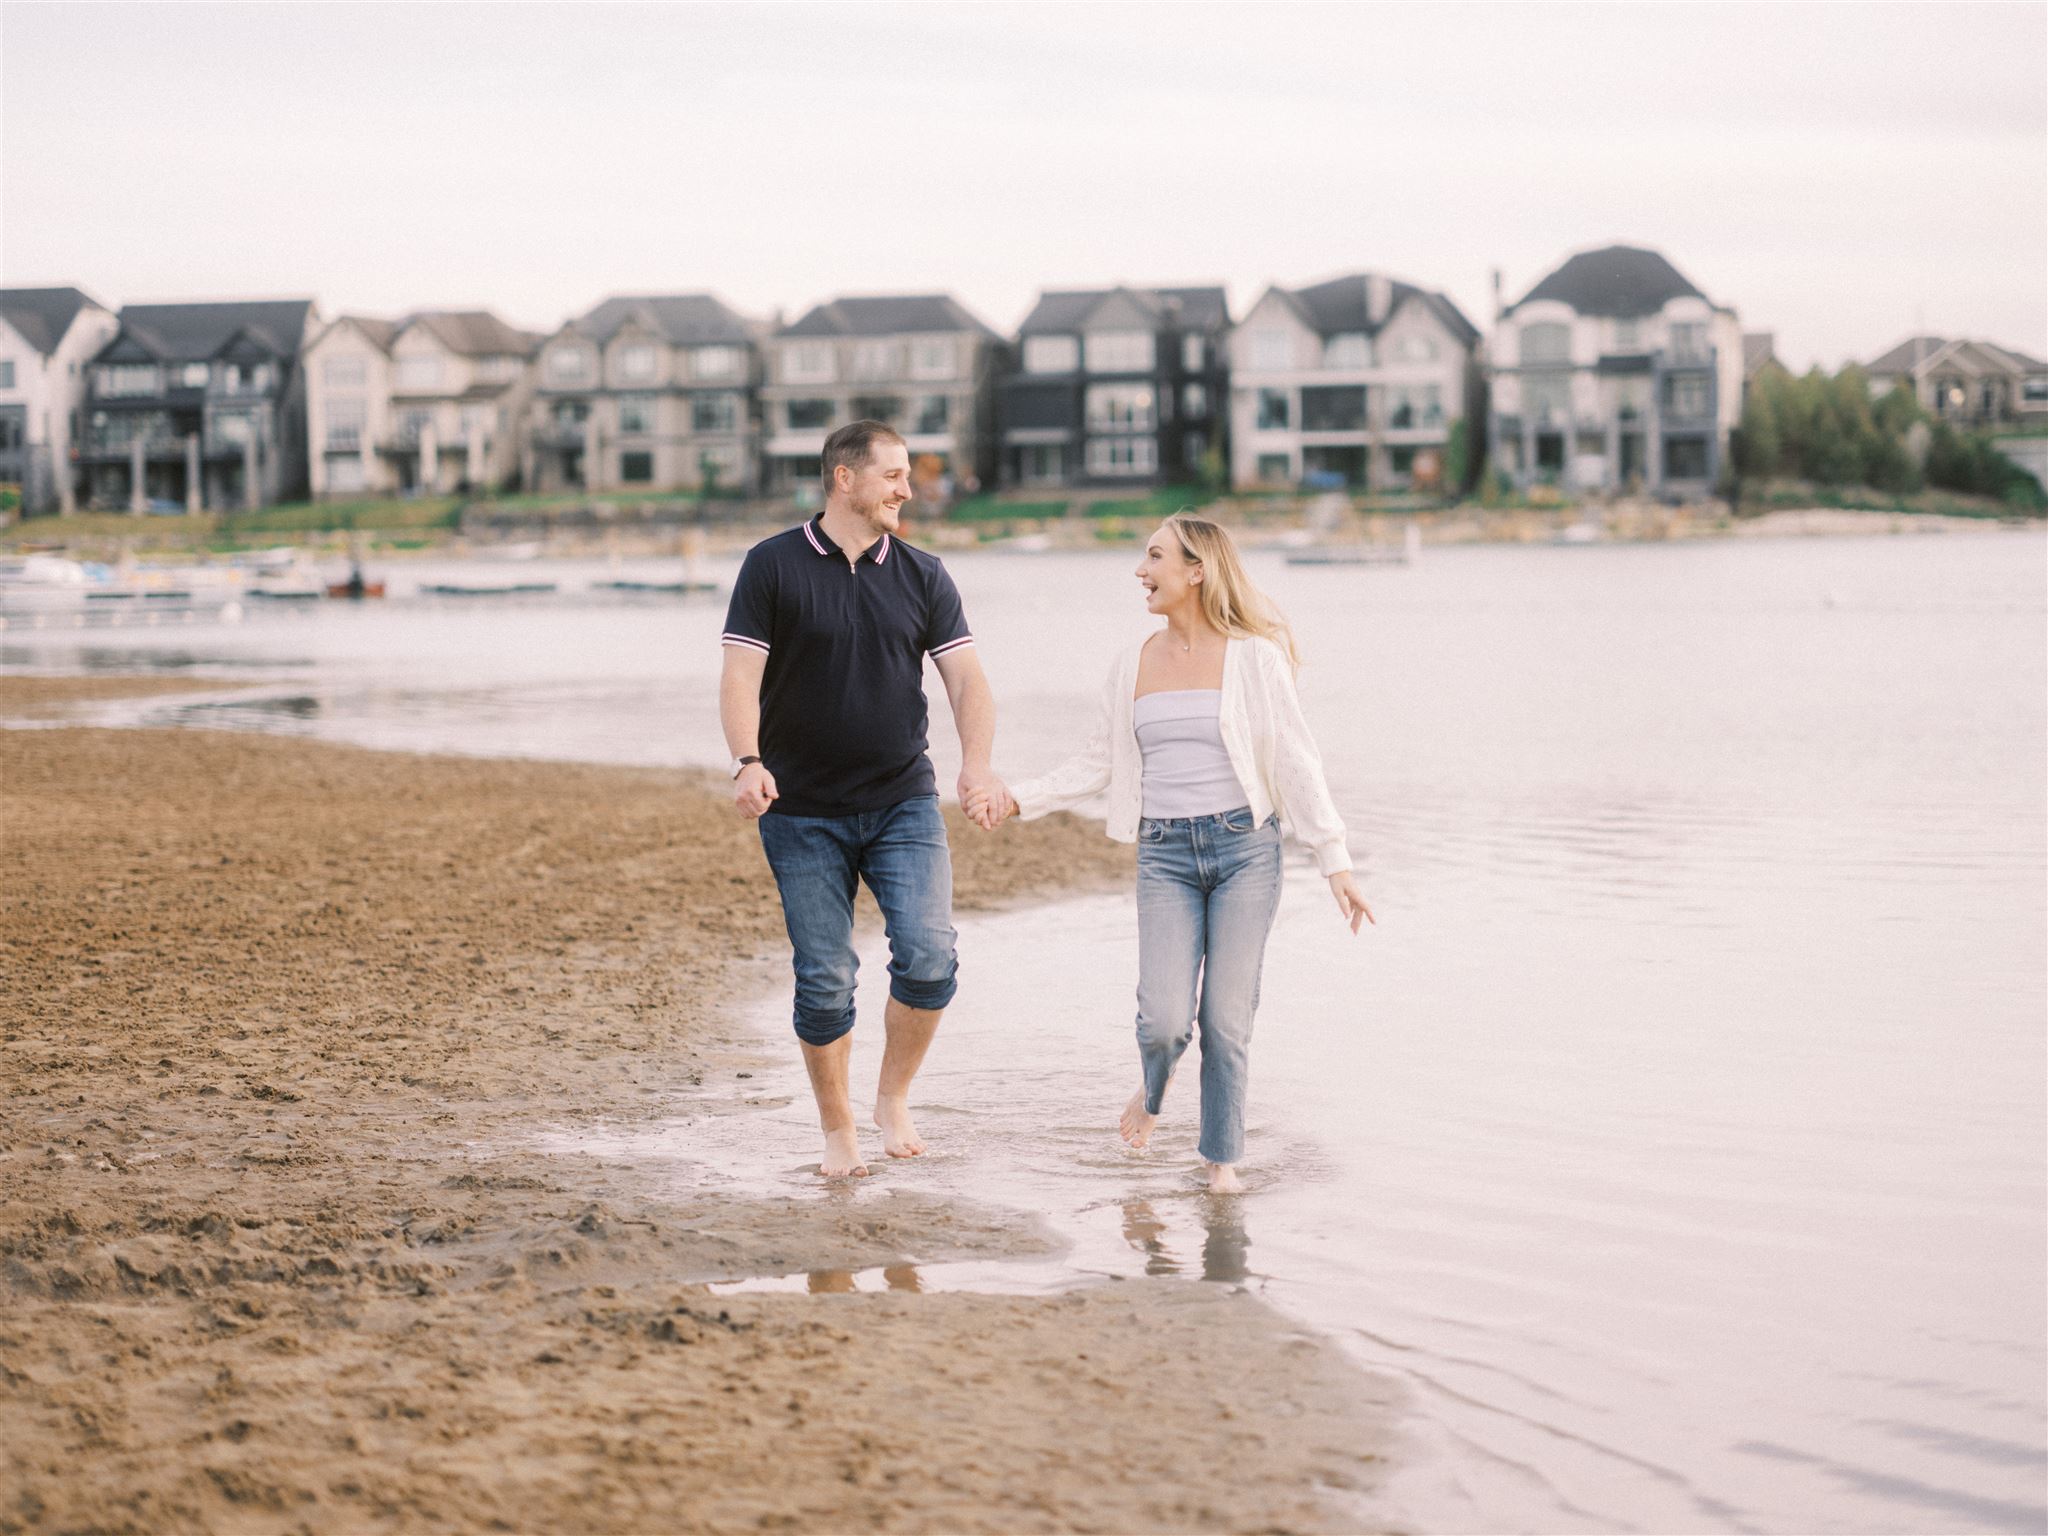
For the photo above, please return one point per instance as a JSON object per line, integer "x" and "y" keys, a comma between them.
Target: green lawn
{"x": 329, "y": 516}
{"x": 990, "y": 509}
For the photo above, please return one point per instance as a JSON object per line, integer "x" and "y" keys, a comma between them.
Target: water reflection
{"x": 1225, "y": 1243}
{"x": 894, "y": 1277}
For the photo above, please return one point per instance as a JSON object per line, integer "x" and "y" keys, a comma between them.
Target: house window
{"x": 1270, "y": 349}
{"x": 192, "y": 375}
{"x": 413, "y": 422}
{"x": 636, "y": 468}
{"x": 715, "y": 362}
{"x": 498, "y": 369}
{"x": 345, "y": 421}
{"x": 569, "y": 365}
{"x": 1421, "y": 405}
{"x": 808, "y": 362}
{"x": 934, "y": 414}
{"x": 7, "y": 374}
{"x": 1119, "y": 351}
{"x": 1340, "y": 408}
{"x": 1193, "y": 354}
{"x": 2034, "y": 390}
{"x": 1627, "y": 335}
{"x": 636, "y": 415}
{"x": 1689, "y": 342}
{"x": 128, "y": 379}
{"x": 1044, "y": 461}
{"x": 1275, "y": 468}
{"x": 1546, "y": 342}
{"x": 569, "y": 414}
{"x": 1546, "y": 397}
{"x": 1128, "y": 406}
{"x": 342, "y": 373}
{"x": 234, "y": 427}
{"x": 1401, "y": 459}
{"x": 1273, "y": 412}
{"x": 1347, "y": 349}
{"x": 1194, "y": 401}
{"x": 1122, "y": 455}
{"x": 1685, "y": 396}
{"x": 808, "y": 415}
{"x": 419, "y": 372}
{"x": 637, "y": 361}
{"x": 1051, "y": 354}
{"x": 933, "y": 357}
{"x": 1417, "y": 349}
{"x": 714, "y": 413}
{"x": 1589, "y": 443}
{"x": 876, "y": 360}
{"x": 882, "y": 408}
{"x": 1685, "y": 458}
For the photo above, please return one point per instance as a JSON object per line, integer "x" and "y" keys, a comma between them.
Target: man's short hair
{"x": 853, "y": 445}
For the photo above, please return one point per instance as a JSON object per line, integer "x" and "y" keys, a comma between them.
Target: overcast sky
{"x": 1840, "y": 174}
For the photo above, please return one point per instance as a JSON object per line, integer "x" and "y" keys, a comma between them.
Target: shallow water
{"x": 1678, "y": 1135}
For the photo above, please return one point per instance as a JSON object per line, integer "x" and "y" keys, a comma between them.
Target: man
{"x": 822, "y": 699}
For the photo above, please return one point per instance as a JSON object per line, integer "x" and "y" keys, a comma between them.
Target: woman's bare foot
{"x": 1135, "y": 1126}
{"x": 842, "y": 1155}
{"x": 1223, "y": 1179}
{"x": 899, "y": 1131}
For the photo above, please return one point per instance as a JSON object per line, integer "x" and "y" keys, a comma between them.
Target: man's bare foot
{"x": 899, "y": 1131}
{"x": 1135, "y": 1126}
{"x": 842, "y": 1155}
{"x": 1223, "y": 1179}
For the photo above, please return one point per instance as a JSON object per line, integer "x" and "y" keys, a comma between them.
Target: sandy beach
{"x": 275, "y": 1256}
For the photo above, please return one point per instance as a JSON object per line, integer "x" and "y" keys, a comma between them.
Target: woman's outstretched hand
{"x": 1350, "y": 902}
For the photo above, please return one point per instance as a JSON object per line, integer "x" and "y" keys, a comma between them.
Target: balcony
{"x": 562, "y": 435}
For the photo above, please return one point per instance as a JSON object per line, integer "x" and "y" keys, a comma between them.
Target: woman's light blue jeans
{"x": 1208, "y": 887}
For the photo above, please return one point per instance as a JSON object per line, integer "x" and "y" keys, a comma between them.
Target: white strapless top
{"x": 1187, "y": 769}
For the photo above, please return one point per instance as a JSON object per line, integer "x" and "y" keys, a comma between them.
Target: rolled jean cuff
{"x": 928, "y": 995}
{"x": 822, "y": 1028}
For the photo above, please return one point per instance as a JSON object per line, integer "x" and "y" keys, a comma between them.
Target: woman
{"x": 1204, "y": 753}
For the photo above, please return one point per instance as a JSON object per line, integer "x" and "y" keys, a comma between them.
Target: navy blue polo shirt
{"x": 843, "y": 714}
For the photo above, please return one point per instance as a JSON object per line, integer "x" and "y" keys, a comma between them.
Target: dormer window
{"x": 569, "y": 365}
{"x": 637, "y": 361}
{"x": 1627, "y": 337}
{"x": 192, "y": 376}
{"x": 807, "y": 362}
{"x": 419, "y": 372}
{"x": 1546, "y": 342}
{"x": 1119, "y": 351}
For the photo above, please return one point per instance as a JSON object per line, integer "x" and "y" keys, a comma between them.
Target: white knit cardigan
{"x": 1263, "y": 731}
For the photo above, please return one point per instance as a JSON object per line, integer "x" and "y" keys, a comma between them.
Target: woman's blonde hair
{"x": 1229, "y": 600}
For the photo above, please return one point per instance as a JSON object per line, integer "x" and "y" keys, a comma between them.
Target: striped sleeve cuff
{"x": 729, "y": 638}
{"x": 952, "y": 645}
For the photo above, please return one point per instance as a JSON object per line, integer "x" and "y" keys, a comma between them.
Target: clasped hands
{"x": 985, "y": 798}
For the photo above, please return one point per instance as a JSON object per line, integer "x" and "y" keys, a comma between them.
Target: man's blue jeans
{"x": 1208, "y": 888}
{"x": 901, "y": 853}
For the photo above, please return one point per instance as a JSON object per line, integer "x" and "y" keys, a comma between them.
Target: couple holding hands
{"x": 1201, "y": 748}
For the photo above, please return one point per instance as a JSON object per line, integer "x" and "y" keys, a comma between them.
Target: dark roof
{"x": 1916, "y": 350}
{"x": 1619, "y": 280}
{"x": 887, "y": 315}
{"x": 1902, "y": 358}
{"x": 193, "y": 332}
{"x": 1197, "y": 309}
{"x": 1343, "y": 305}
{"x": 473, "y": 332}
{"x": 683, "y": 319}
{"x": 43, "y": 315}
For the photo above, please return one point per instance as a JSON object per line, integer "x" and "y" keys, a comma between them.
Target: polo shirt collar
{"x": 814, "y": 530}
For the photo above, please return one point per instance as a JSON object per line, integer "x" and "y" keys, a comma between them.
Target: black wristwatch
{"x": 739, "y": 765}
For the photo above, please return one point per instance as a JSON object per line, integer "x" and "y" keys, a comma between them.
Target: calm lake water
{"x": 1679, "y": 1137}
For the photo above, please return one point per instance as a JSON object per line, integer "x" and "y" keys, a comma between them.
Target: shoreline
{"x": 278, "y": 1257}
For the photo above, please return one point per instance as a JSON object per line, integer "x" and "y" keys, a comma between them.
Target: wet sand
{"x": 277, "y": 1256}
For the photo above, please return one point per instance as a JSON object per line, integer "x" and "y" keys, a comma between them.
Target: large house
{"x": 199, "y": 405}
{"x": 1968, "y": 383}
{"x": 652, "y": 392}
{"x": 1615, "y": 373}
{"x": 1115, "y": 386}
{"x": 1355, "y": 382}
{"x": 919, "y": 362}
{"x": 433, "y": 402}
{"x": 47, "y": 336}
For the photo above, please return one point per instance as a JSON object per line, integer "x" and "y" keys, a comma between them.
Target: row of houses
{"x": 1613, "y": 371}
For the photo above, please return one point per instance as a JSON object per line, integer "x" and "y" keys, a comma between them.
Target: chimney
{"x": 1498, "y": 309}
{"x": 1379, "y": 297}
